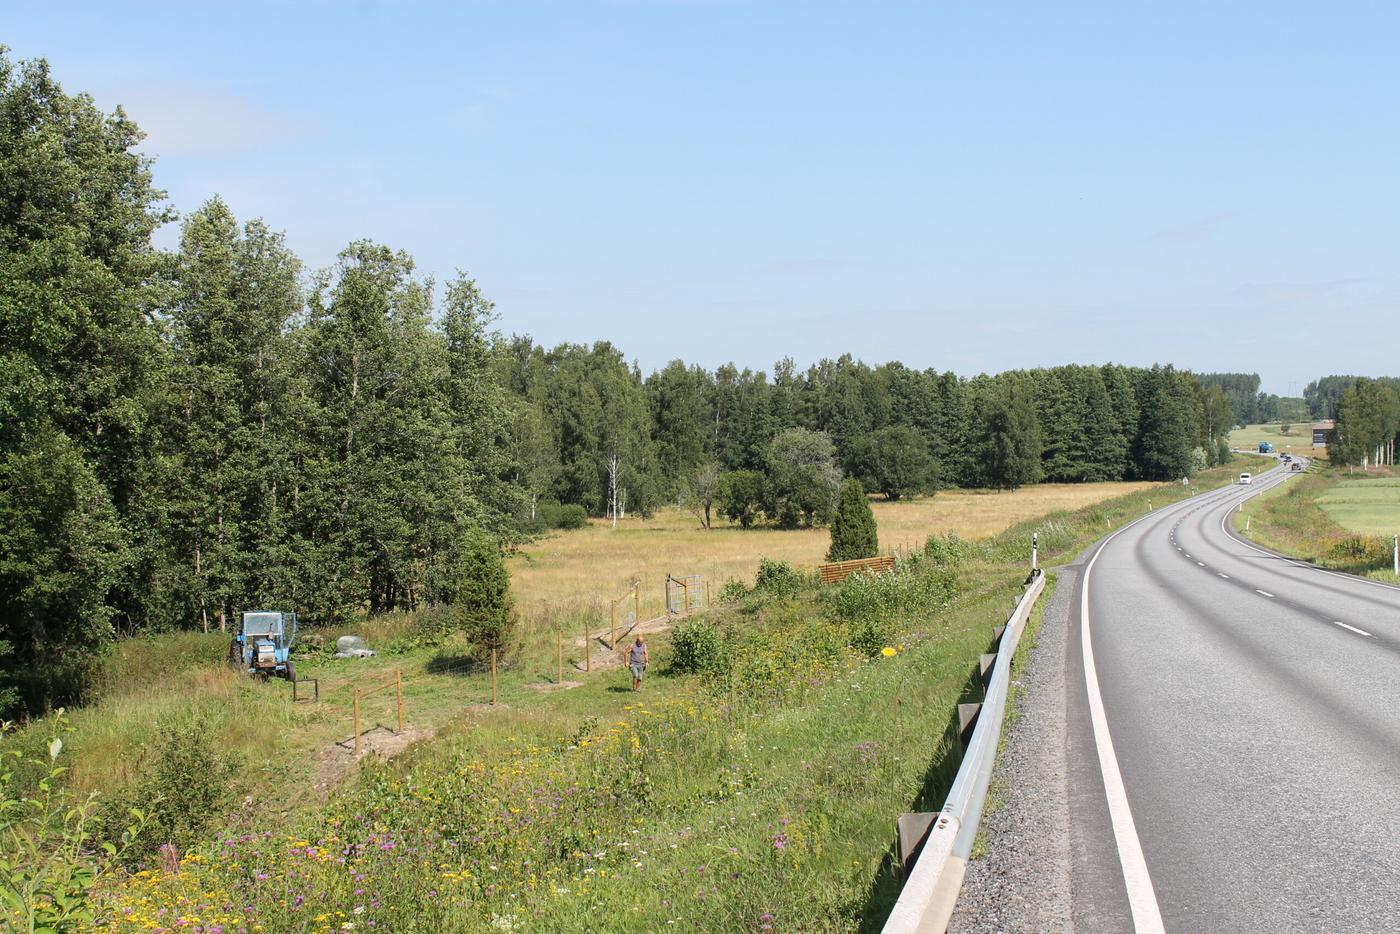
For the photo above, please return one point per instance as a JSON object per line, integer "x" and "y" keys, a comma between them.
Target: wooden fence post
{"x": 637, "y": 604}
{"x": 587, "y": 653}
{"x": 493, "y": 676}
{"x": 398, "y": 691}
{"x": 612, "y": 628}
{"x": 357, "y": 721}
{"x": 559, "y": 635}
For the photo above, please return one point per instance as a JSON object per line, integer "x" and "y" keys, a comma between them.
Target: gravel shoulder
{"x": 1022, "y": 880}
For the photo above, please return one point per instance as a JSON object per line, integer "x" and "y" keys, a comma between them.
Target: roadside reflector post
{"x": 1035, "y": 552}
{"x": 1395, "y": 553}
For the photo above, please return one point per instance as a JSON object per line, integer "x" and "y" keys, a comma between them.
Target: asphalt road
{"x": 1251, "y": 707}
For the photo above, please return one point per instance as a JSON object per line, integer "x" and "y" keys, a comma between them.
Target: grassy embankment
{"x": 1331, "y": 517}
{"x": 763, "y": 792}
{"x": 562, "y": 582}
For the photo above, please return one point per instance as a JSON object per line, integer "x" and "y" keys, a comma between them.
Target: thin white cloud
{"x": 1194, "y": 231}
{"x": 192, "y": 121}
{"x": 1274, "y": 293}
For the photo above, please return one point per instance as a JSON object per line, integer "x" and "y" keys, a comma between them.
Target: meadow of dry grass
{"x": 571, "y": 573}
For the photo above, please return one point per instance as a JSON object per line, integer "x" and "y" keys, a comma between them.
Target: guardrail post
{"x": 912, "y": 829}
{"x": 398, "y": 692}
{"x": 967, "y": 722}
{"x": 987, "y": 662}
{"x": 357, "y": 721}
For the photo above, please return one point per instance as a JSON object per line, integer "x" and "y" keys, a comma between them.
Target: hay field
{"x": 571, "y": 573}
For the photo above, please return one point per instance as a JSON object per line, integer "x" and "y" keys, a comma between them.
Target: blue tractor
{"x": 264, "y": 645}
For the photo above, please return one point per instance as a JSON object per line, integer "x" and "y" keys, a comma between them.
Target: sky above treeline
{"x": 964, "y": 186}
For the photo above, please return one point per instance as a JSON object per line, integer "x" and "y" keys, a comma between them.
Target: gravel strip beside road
{"x": 1023, "y": 882}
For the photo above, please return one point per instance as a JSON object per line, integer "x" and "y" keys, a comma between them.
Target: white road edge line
{"x": 1359, "y": 632}
{"x": 1142, "y": 898}
{"x": 1226, "y": 576}
{"x": 1264, "y": 592}
{"x": 1200, "y": 564}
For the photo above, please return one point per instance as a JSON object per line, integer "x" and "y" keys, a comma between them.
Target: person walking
{"x": 637, "y": 658}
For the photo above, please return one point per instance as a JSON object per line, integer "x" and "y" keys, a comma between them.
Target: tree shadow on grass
{"x": 445, "y": 663}
{"x": 884, "y": 888}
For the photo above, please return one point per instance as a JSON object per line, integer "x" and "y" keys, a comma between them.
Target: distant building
{"x": 1320, "y": 430}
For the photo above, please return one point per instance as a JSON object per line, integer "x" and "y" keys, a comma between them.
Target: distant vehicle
{"x": 1297, "y": 466}
{"x": 1285, "y": 457}
{"x": 1266, "y": 447}
{"x": 1246, "y": 479}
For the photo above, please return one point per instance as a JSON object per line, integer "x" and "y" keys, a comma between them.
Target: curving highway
{"x": 1233, "y": 734}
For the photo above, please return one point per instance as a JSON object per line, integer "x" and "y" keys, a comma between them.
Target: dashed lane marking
{"x": 1264, "y": 592}
{"x": 1226, "y": 576}
{"x": 1359, "y": 632}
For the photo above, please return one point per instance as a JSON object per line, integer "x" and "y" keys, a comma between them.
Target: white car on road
{"x": 1246, "y": 479}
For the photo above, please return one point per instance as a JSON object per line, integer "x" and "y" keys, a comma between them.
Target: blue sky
{"x": 967, "y": 186}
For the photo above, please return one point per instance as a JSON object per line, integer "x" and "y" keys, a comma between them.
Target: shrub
{"x": 871, "y": 634}
{"x": 698, "y": 647}
{"x": 777, "y": 578}
{"x": 571, "y": 516}
{"x": 949, "y": 550}
{"x": 733, "y": 591}
{"x": 853, "y": 533}
{"x": 910, "y": 589}
{"x": 179, "y": 792}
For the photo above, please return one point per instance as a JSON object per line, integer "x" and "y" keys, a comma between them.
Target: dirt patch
{"x": 606, "y": 659}
{"x": 338, "y": 760}
{"x": 548, "y": 687}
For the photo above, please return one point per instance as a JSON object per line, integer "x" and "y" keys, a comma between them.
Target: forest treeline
{"x": 185, "y": 434}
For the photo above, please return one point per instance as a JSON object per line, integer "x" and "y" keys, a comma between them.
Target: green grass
{"x": 1367, "y": 506}
{"x": 703, "y": 806}
{"x": 1300, "y": 518}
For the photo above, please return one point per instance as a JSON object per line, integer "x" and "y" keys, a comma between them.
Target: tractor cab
{"x": 264, "y": 645}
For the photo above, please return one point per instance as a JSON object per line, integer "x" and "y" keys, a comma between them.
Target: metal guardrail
{"x": 926, "y": 902}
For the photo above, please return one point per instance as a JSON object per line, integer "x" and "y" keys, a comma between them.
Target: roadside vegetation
{"x": 1331, "y": 517}
{"x": 758, "y": 774}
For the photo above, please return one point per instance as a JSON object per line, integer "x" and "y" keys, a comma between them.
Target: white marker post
{"x": 1395, "y": 552}
{"x": 1035, "y": 551}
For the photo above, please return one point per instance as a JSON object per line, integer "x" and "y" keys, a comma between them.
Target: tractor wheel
{"x": 291, "y": 671}
{"x": 235, "y": 655}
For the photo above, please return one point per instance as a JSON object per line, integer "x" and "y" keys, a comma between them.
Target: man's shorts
{"x": 638, "y": 671}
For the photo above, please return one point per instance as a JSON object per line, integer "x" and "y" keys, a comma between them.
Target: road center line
{"x": 1200, "y": 564}
{"x": 1359, "y": 632}
{"x": 1142, "y": 899}
{"x": 1264, "y": 592}
{"x": 1226, "y": 576}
